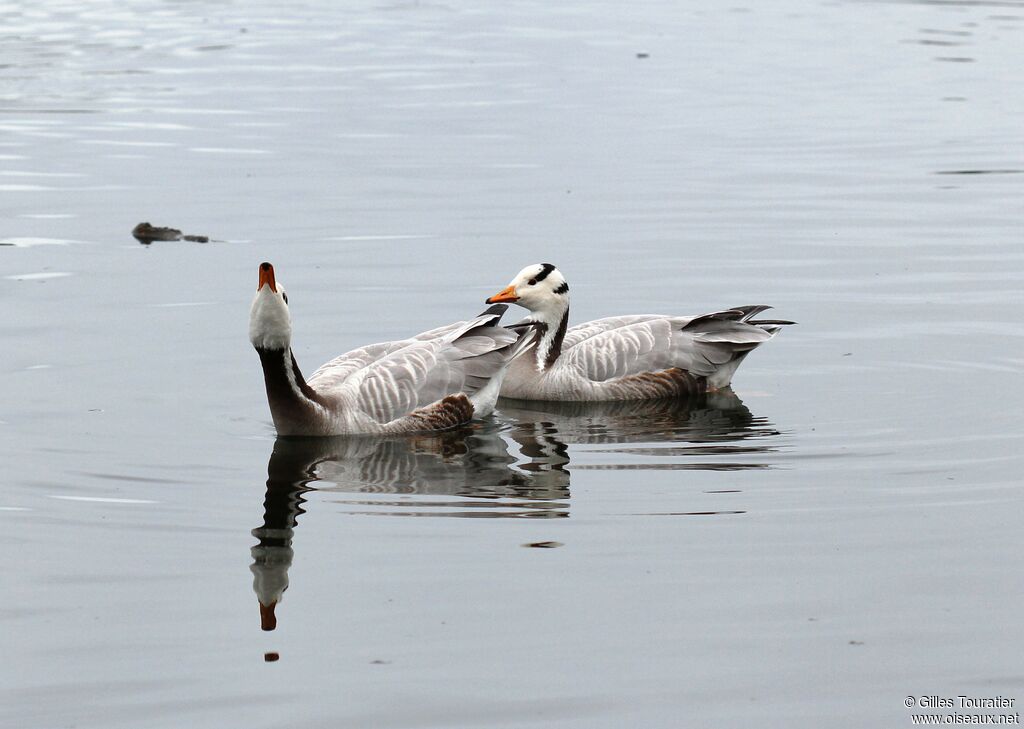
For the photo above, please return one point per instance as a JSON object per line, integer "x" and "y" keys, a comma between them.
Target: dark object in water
{"x": 145, "y": 233}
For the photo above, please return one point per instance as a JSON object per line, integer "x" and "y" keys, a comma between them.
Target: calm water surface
{"x": 839, "y": 533}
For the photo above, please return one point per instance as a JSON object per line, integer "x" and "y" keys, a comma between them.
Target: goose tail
{"x": 727, "y": 337}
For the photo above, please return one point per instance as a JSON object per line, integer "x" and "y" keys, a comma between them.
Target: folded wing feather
{"x": 391, "y": 379}
{"x": 606, "y": 349}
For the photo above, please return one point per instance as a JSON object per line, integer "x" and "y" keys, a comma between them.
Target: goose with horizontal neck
{"x": 436, "y": 380}
{"x": 637, "y": 357}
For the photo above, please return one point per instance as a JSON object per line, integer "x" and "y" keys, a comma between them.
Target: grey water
{"x": 840, "y": 532}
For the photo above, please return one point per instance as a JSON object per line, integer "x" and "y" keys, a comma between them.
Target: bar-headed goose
{"x": 637, "y": 357}
{"x": 436, "y": 380}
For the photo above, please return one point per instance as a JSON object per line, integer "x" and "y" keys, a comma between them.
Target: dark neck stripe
{"x": 301, "y": 382}
{"x": 288, "y": 404}
{"x": 563, "y": 289}
{"x": 556, "y": 342}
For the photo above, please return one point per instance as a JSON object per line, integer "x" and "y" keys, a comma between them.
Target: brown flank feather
{"x": 672, "y": 382}
{"x": 449, "y": 412}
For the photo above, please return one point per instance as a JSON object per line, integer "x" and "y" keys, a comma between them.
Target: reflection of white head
{"x": 270, "y": 323}
{"x": 270, "y": 579}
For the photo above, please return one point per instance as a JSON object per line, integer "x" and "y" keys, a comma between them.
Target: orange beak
{"x": 506, "y": 295}
{"x": 267, "y": 277}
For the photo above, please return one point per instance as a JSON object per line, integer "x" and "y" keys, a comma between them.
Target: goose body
{"x": 433, "y": 381}
{"x": 638, "y": 357}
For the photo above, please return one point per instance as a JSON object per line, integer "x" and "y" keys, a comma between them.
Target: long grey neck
{"x": 295, "y": 406}
{"x": 551, "y": 328}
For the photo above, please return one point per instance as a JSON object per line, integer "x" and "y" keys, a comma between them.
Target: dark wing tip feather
{"x": 744, "y": 314}
{"x": 496, "y": 311}
{"x": 751, "y": 310}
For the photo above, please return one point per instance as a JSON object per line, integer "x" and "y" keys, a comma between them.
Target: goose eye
{"x": 532, "y": 282}
{"x": 284, "y": 296}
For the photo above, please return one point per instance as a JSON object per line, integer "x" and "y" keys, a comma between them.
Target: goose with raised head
{"x": 637, "y": 357}
{"x": 436, "y": 380}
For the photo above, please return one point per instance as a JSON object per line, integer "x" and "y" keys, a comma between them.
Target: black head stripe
{"x": 546, "y": 269}
{"x": 563, "y": 289}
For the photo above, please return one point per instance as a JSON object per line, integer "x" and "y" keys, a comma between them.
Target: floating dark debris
{"x": 145, "y": 233}
{"x": 933, "y": 42}
{"x": 979, "y": 172}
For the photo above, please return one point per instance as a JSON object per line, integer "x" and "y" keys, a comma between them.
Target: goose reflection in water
{"x": 716, "y": 425}
{"x": 470, "y": 472}
{"x": 472, "y": 465}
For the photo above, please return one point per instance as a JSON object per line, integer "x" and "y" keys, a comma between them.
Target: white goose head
{"x": 270, "y": 323}
{"x": 541, "y": 288}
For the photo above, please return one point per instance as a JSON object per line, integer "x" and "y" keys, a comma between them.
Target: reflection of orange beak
{"x": 506, "y": 295}
{"x": 267, "y": 277}
{"x": 268, "y": 621}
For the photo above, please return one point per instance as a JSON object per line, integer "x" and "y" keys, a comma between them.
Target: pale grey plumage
{"x": 435, "y": 380}
{"x": 624, "y": 357}
{"x": 383, "y": 382}
{"x": 606, "y": 350}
